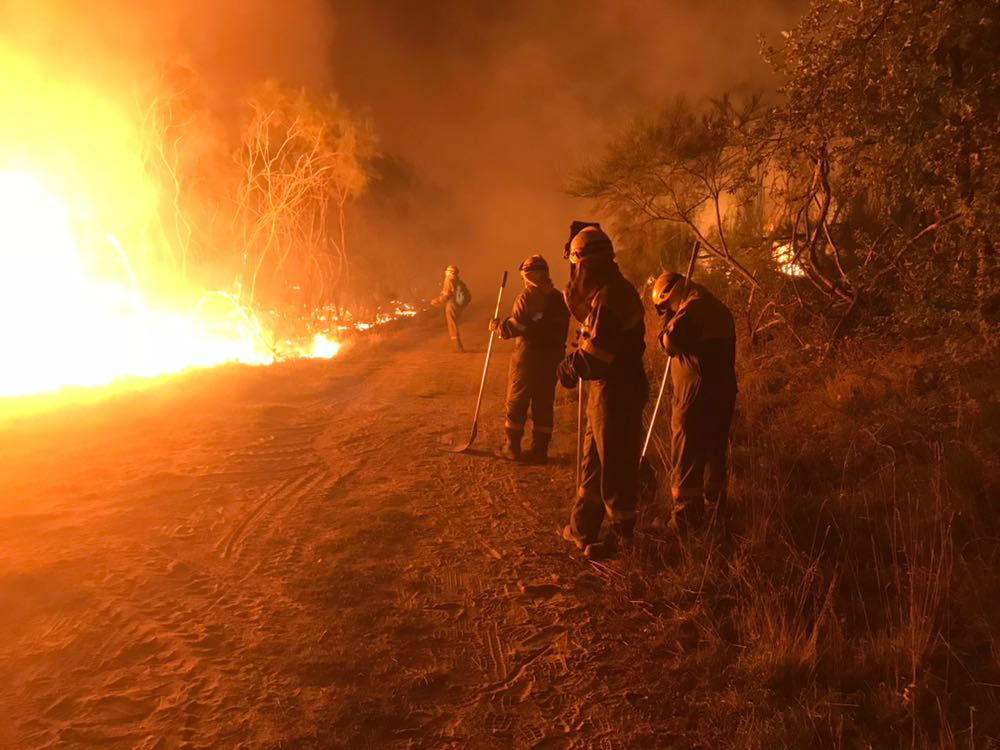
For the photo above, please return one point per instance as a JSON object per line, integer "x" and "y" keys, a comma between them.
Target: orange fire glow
{"x": 86, "y": 296}
{"x": 64, "y": 322}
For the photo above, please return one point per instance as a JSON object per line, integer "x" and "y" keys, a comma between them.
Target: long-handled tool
{"x": 647, "y": 477}
{"x": 579, "y": 433}
{"x": 574, "y": 229}
{"x": 486, "y": 367}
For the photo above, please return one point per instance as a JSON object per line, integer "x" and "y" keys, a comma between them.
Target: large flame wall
{"x": 87, "y": 292}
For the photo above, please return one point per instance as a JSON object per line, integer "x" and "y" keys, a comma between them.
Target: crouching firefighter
{"x": 610, "y": 357}
{"x": 539, "y": 322}
{"x": 700, "y": 335}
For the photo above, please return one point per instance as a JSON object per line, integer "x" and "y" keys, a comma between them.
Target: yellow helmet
{"x": 663, "y": 287}
{"x": 534, "y": 263}
{"x": 588, "y": 243}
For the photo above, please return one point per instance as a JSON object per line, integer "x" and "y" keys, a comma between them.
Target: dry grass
{"x": 857, "y": 602}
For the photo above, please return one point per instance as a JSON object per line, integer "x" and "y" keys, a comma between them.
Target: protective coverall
{"x": 452, "y": 311}
{"x": 538, "y": 322}
{"x": 701, "y": 338}
{"x": 610, "y": 357}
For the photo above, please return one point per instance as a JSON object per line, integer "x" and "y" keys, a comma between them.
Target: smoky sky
{"x": 492, "y": 104}
{"x": 500, "y": 101}
{"x": 232, "y": 44}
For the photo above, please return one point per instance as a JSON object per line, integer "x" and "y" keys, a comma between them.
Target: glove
{"x": 495, "y": 325}
{"x": 567, "y": 373}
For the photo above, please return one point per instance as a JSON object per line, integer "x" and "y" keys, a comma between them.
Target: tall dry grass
{"x": 855, "y": 600}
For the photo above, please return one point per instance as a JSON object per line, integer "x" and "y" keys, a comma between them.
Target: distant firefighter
{"x": 610, "y": 357}
{"x": 455, "y": 297}
{"x": 699, "y": 333}
{"x": 539, "y": 322}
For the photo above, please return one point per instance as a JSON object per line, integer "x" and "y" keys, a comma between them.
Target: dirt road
{"x": 286, "y": 557}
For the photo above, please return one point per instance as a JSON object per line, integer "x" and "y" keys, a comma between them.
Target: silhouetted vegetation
{"x": 851, "y": 224}
{"x": 875, "y": 173}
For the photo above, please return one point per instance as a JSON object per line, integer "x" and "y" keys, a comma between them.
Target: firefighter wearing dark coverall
{"x": 700, "y": 334}
{"x": 539, "y": 322}
{"x": 610, "y": 357}
{"x": 452, "y": 310}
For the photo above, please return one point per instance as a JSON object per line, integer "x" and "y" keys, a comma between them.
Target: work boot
{"x": 601, "y": 550}
{"x": 539, "y": 452}
{"x": 512, "y": 447}
{"x": 569, "y": 536}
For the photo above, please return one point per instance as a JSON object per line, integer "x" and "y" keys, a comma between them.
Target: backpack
{"x": 462, "y": 294}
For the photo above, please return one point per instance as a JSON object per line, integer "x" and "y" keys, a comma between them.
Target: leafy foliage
{"x": 870, "y": 185}
{"x": 903, "y": 98}
{"x": 678, "y": 168}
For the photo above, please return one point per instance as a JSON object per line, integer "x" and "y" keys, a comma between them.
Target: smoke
{"x": 485, "y": 108}
{"x": 182, "y": 65}
{"x": 231, "y": 43}
{"x": 499, "y": 102}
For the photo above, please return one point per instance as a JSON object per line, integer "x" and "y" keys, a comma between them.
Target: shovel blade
{"x": 462, "y": 448}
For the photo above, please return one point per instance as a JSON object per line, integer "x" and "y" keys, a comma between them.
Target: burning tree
{"x": 301, "y": 164}
{"x": 166, "y": 121}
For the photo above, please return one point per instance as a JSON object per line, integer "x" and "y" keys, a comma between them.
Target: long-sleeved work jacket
{"x": 701, "y": 339}
{"x": 538, "y": 323}
{"x": 612, "y": 342}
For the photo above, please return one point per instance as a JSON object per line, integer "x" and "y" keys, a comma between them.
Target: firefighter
{"x": 610, "y": 357}
{"x": 455, "y": 297}
{"x": 700, "y": 334}
{"x": 539, "y": 322}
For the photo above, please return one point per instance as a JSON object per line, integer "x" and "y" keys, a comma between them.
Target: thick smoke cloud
{"x": 186, "y": 65}
{"x": 231, "y": 43}
{"x": 485, "y": 107}
{"x": 500, "y": 101}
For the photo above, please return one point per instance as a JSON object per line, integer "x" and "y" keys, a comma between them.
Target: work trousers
{"x": 700, "y": 452}
{"x": 531, "y": 384}
{"x": 611, "y": 448}
{"x": 452, "y": 313}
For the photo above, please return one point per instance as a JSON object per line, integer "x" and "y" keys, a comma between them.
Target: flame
{"x": 784, "y": 256}
{"x": 64, "y": 324}
{"x": 323, "y": 348}
{"x": 91, "y": 288}
{"x": 86, "y": 292}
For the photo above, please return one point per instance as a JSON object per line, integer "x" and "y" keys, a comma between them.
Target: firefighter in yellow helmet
{"x": 610, "y": 357}
{"x": 538, "y": 322}
{"x": 700, "y": 335}
{"x": 455, "y": 297}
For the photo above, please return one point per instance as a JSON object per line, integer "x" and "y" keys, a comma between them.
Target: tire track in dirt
{"x": 287, "y": 494}
{"x": 533, "y": 614}
{"x": 328, "y": 577}
{"x": 170, "y": 617}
